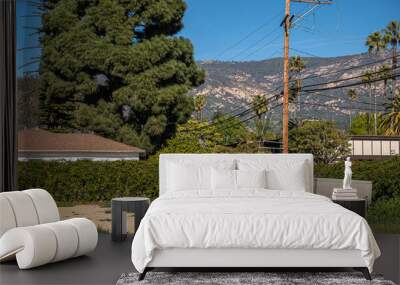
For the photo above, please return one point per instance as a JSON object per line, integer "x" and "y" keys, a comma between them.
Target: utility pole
{"x": 286, "y": 22}
{"x": 285, "y": 119}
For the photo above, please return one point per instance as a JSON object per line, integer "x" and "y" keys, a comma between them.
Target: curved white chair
{"x": 31, "y": 230}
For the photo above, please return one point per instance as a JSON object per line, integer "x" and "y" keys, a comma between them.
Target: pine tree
{"x": 115, "y": 67}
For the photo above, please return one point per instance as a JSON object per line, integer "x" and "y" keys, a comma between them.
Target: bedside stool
{"x": 358, "y": 206}
{"x": 119, "y": 208}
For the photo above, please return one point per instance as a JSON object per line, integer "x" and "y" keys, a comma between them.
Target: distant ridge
{"x": 231, "y": 84}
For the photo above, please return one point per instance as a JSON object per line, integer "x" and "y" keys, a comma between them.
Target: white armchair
{"x": 31, "y": 230}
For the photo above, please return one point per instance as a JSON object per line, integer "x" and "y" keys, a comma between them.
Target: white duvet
{"x": 250, "y": 219}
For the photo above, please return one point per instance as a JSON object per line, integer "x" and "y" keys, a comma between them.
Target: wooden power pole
{"x": 285, "y": 119}
{"x": 286, "y": 25}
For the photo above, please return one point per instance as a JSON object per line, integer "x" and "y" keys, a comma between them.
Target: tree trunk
{"x": 351, "y": 113}
{"x": 394, "y": 65}
{"x": 298, "y": 94}
{"x": 370, "y": 109}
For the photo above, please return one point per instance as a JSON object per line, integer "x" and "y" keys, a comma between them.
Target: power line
{"x": 256, "y": 43}
{"x": 248, "y": 35}
{"x": 334, "y": 106}
{"x": 349, "y": 68}
{"x": 349, "y": 78}
{"x": 348, "y": 85}
{"x": 262, "y": 47}
{"x": 349, "y": 100}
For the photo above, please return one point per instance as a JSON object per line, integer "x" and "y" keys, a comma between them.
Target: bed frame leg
{"x": 143, "y": 274}
{"x": 364, "y": 271}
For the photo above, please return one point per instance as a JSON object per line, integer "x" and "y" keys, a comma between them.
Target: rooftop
{"x": 39, "y": 140}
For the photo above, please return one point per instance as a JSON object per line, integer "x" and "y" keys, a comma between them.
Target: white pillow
{"x": 251, "y": 178}
{"x": 223, "y": 179}
{"x": 183, "y": 177}
{"x": 281, "y": 174}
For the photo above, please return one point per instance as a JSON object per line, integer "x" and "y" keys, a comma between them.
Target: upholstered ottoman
{"x": 31, "y": 232}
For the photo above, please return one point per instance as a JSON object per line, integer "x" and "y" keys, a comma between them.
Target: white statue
{"x": 347, "y": 174}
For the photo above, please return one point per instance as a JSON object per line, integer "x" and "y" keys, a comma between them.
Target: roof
{"x": 38, "y": 140}
{"x": 375, "y": 138}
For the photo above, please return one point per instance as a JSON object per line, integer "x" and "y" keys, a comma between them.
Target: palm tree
{"x": 297, "y": 65}
{"x": 390, "y": 123}
{"x": 392, "y": 37}
{"x": 384, "y": 74}
{"x": 199, "y": 104}
{"x": 352, "y": 94}
{"x": 375, "y": 43}
{"x": 366, "y": 79}
{"x": 260, "y": 107}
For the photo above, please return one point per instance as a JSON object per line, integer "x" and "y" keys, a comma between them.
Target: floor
{"x": 104, "y": 266}
{"x": 110, "y": 260}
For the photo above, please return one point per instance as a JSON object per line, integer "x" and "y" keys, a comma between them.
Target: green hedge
{"x": 384, "y": 215}
{"x": 87, "y": 181}
{"x": 384, "y": 174}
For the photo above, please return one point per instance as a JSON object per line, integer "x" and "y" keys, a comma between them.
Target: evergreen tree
{"x": 115, "y": 67}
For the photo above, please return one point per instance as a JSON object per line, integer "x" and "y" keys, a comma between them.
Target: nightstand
{"x": 119, "y": 208}
{"x": 358, "y": 206}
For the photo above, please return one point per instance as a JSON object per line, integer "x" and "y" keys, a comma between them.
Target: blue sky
{"x": 214, "y": 26}
{"x": 332, "y": 30}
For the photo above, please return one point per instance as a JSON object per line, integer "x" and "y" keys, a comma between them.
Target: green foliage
{"x": 390, "y": 122}
{"x": 87, "y": 181}
{"x": 231, "y": 129}
{"x": 192, "y": 137}
{"x": 359, "y": 125}
{"x": 28, "y": 101}
{"x": 384, "y": 215}
{"x": 117, "y": 68}
{"x": 321, "y": 138}
{"x": 384, "y": 175}
{"x": 259, "y": 105}
{"x": 375, "y": 42}
{"x": 199, "y": 104}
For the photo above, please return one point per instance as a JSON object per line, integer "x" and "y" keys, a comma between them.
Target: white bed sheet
{"x": 252, "y": 218}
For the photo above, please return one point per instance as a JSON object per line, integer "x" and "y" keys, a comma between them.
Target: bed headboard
{"x": 211, "y": 158}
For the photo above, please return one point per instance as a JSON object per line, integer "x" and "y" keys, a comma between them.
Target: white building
{"x": 44, "y": 145}
{"x": 374, "y": 147}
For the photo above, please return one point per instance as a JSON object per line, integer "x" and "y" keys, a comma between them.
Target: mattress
{"x": 250, "y": 219}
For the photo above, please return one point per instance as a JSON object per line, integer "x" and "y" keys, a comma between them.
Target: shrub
{"x": 384, "y": 215}
{"x": 87, "y": 181}
{"x": 321, "y": 138}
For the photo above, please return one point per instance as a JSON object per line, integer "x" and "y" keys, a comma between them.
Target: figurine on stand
{"x": 347, "y": 174}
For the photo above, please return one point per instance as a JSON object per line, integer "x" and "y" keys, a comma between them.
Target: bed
{"x": 245, "y": 211}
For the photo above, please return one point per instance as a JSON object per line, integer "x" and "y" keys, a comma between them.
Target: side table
{"x": 119, "y": 207}
{"x": 358, "y": 206}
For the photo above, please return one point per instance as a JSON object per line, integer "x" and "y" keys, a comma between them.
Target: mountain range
{"x": 230, "y": 86}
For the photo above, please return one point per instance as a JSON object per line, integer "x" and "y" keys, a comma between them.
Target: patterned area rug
{"x": 243, "y": 278}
